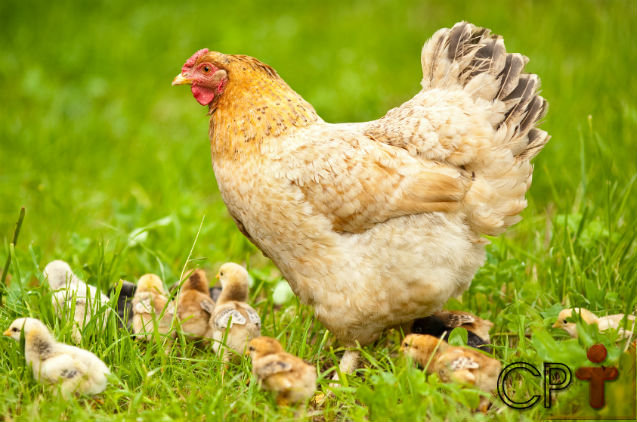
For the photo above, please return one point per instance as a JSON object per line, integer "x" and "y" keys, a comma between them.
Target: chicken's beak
{"x": 7, "y": 333}
{"x": 181, "y": 80}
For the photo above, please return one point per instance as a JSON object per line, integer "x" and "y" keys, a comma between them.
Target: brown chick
{"x": 233, "y": 319}
{"x": 452, "y": 363}
{"x": 441, "y": 323}
{"x": 291, "y": 378}
{"x": 195, "y": 306}
{"x": 397, "y": 205}
{"x": 148, "y": 306}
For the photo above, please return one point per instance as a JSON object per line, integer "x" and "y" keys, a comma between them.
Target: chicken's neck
{"x": 248, "y": 113}
{"x": 233, "y": 292}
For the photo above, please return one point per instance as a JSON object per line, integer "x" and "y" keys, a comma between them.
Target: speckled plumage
{"x": 151, "y": 306}
{"x": 378, "y": 223}
{"x": 291, "y": 378}
{"x": 73, "y": 369}
{"x": 233, "y": 321}
{"x": 451, "y": 363}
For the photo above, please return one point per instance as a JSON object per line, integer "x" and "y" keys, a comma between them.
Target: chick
{"x": 195, "y": 306}
{"x": 74, "y": 369}
{"x": 291, "y": 378}
{"x": 453, "y": 363}
{"x": 233, "y": 319}
{"x": 70, "y": 294}
{"x": 124, "y": 302}
{"x": 148, "y": 305}
{"x": 441, "y": 323}
{"x": 603, "y": 323}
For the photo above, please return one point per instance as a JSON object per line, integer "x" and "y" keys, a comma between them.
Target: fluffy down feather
{"x": 195, "y": 306}
{"x": 292, "y": 379}
{"x": 151, "y": 308}
{"x": 73, "y": 369}
{"x": 72, "y": 295}
{"x": 459, "y": 364}
{"x": 233, "y": 320}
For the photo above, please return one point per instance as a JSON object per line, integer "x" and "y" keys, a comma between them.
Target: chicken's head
{"x": 421, "y": 346}
{"x": 263, "y": 346}
{"x": 150, "y": 283}
{"x": 24, "y": 324}
{"x": 204, "y": 72}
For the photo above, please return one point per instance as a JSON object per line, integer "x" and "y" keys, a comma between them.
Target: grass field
{"x": 113, "y": 167}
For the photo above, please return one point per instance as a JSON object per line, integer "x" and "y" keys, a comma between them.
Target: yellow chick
{"x": 233, "y": 319}
{"x": 291, "y": 378}
{"x": 75, "y": 370}
{"x": 148, "y": 304}
{"x": 603, "y": 323}
{"x": 452, "y": 363}
{"x": 72, "y": 294}
{"x": 441, "y": 323}
{"x": 195, "y": 306}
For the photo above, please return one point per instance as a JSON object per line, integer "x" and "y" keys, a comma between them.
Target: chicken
{"x": 291, "y": 378}
{"x": 151, "y": 306}
{"x": 232, "y": 310}
{"x": 74, "y": 369}
{"x": 397, "y": 205}
{"x": 451, "y": 363}
{"x": 70, "y": 294}
{"x": 195, "y": 306}
{"x": 441, "y": 323}
{"x": 565, "y": 320}
{"x": 124, "y": 301}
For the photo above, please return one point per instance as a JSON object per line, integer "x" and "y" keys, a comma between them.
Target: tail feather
{"x": 472, "y": 59}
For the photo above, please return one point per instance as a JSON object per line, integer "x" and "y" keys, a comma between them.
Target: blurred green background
{"x": 94, "y": 141}
{"x": 113, "y": 166}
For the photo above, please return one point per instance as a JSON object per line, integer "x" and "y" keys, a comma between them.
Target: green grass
{"x": 113, "y": 167}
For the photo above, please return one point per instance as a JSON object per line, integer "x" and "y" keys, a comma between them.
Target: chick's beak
{"x": 556, "y": 325}
{"x": 181, "y": 80}
{"x": 7, "y": 333}
{"x": 218, "y": 276}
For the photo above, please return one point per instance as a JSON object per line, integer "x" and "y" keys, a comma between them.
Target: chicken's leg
{"x": 348, "y": 364}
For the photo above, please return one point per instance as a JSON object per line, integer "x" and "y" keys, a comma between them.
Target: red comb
{"x": 193, "y": 59}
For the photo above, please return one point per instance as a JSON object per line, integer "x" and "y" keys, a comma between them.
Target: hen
{"x": 376, "y": 223}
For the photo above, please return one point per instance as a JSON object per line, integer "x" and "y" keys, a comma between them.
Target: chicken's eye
{"x": 206, "y": 68}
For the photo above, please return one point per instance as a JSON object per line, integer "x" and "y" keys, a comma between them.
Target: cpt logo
{"x": 596, "y": 376}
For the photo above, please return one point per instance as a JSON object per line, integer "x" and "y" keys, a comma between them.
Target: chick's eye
{"x": 221, "y": 273}
{"x": 14, "y": 329}
{"x": 564, "y": 321}
{"x": 406, "y": 344}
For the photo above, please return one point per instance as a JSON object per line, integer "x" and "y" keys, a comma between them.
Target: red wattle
{"x": 204, "y": 96}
